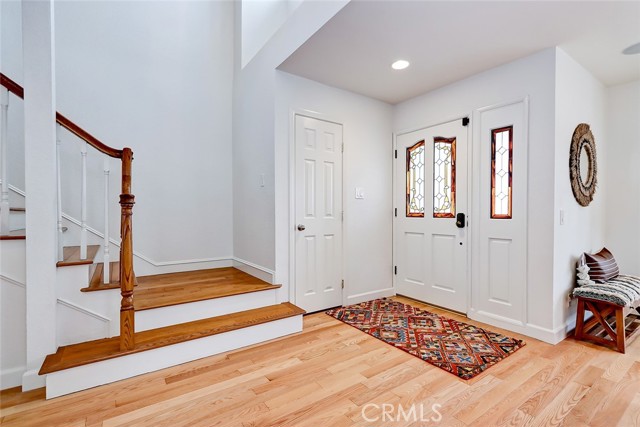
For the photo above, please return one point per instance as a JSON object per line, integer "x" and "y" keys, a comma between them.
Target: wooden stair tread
{"x": 15, "y": 235}
{"x": 71, "y": 255}
{"x": 164, "y": 290}
{"x": 88, "y": 352}
{"x": 96, "y": 284}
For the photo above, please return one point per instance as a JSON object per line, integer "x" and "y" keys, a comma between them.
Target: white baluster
{"x": 60, "y": 238}
{"x": 107, "y": 258}
{"x": 4, "y": 202}
{"x": 83, "y": 204}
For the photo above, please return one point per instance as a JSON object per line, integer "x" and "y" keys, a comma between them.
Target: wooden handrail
{"x": 12, "y": 86}
{"x": 18, "y": 90}
{"x": 127, "y": 277}
{"x": 87, "y": 137}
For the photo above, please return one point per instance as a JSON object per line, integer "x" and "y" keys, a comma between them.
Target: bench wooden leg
{"x": 620, "y": 329}
{"x": 598, "y": 328}
{"x": 579, "y": 334}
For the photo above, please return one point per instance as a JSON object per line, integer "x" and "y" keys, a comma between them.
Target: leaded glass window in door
{"x": 444, "y": 177}
{"x": 415, "y": 180}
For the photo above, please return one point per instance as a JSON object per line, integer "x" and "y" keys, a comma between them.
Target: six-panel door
{"x": 318, "y": 213}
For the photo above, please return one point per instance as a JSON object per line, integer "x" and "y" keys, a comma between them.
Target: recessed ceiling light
{"x": 400, "y": 64}
{"x": 634, "y": 49}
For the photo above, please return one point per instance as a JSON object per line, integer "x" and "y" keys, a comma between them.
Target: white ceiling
{"x": 446, "y": 41}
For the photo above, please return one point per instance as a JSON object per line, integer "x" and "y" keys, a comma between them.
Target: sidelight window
{"x": 501, "y": 172}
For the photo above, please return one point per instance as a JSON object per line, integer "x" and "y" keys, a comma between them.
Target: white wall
{"x": 533, "y": 76}
{"x": 253, "y": 132}
{"x": 160, "y": 82}
{"x": 580, "y": 98}
{"x": 367, "y": 163}
{"x": 260, "y": 20}
{"x": 166, "y": 94}
{"x": 622, "y": 198}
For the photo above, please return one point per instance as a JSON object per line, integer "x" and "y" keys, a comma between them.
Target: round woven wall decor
{"x": 583, "y": 187}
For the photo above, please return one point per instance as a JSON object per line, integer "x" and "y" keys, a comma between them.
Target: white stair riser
{"x": 84, "y": 316}
{"x": 108, "y": 371}
{"x": 13, "y": 259}
{"x": 13, "y": 327}
{"x": 12, "y": 313}
{"x": 182, "y": 313}
{"x": 17, "y": 221}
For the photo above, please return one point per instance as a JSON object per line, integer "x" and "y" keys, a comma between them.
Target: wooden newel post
{"x": 126, "y": 255}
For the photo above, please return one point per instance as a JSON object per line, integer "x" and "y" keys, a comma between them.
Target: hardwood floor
{"x": 327, "y": 374}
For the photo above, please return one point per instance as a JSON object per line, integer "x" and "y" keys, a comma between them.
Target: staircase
{"x": 15, "y": 229}
{"x": 112, "y": 325}
{"x": 179, "y": 317}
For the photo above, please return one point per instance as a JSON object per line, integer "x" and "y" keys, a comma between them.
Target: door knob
{"x": 301, "y": 227}
{"x": 460, "y": 220}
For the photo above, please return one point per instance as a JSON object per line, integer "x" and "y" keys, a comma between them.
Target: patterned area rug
{"x": 462, "y": 349}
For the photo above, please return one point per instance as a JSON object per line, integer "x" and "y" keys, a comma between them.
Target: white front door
{"x": 318, "y": 214}
{"x": 431, "y": 191}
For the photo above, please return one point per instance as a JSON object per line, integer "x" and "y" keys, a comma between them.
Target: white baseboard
{"x": 11, "y": 377}
{"x": 254, "y": 270}
{"x": 547, "y": 335}
{"x": 145, "y": 266}
{"x": 368, "y": 296}
{"x": 31, "y": 380}
{"x": 146, "y": 269}
{"x": 108, "y": 371}
{"x": 569, "y": 326}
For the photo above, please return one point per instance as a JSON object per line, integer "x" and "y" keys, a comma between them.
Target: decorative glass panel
{"x": 501, "y": 172}
{"x": 444, "y": 177}
{"x": 415, "y": 180}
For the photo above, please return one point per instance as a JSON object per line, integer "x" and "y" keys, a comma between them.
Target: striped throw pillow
{"x": 602, "y": 266}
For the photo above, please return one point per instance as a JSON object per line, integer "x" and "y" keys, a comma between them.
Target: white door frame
{"x": 292, "y": 198}
{"x": 469, "y": 215}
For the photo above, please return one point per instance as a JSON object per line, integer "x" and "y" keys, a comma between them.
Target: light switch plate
{"x": 359, "y": 193}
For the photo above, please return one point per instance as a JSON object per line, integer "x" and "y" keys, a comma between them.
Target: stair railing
{"x": 127, "y": 277}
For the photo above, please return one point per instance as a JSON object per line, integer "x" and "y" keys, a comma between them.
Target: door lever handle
{"x": 301, "y": 227}
{"x": 460, "y": 220}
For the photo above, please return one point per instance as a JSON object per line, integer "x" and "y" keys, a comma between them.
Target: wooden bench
{"x": 616, "y": 312}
